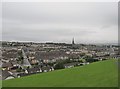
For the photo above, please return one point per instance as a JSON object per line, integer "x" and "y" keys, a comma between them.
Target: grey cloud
{"x": 51, "y": 21}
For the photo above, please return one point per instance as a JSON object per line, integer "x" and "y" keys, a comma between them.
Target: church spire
{"x": 73, "y": 41}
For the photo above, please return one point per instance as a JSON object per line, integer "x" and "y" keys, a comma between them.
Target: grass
{"x": 97, "y": 74}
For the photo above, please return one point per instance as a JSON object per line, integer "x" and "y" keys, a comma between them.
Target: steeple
{"x": 73, "y": 41}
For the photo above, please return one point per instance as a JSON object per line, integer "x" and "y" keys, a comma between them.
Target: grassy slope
{"x": 98, "y": 74}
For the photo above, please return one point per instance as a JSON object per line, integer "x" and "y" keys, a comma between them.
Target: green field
{"x": 97, "y": 74}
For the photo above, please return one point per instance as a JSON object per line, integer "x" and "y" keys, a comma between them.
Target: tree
{"x": 59, "y": 66}
{"x": 82, "y": 60}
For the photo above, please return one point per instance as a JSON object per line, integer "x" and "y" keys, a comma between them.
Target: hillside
{"x": 97, "y": 74}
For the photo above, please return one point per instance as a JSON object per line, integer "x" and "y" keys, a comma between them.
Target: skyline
{"x": 87, "y": 22}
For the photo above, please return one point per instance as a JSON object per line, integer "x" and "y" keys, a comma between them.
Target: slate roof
{"x": 14, "y": 62}
{"x": 8, "y": 64}
{"x": 69, "y": 64}
{"x": 45, "y": 68}
{"x": 10, "y": 54}
{"x": 5, "y": 74}
{"x": 33, "y": 70}
{"x": 50, "y": 55}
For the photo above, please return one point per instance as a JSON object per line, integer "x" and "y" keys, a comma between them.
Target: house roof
{"x": 69, "y": 64}
{"x": 9, "y": 54}
{"x": 45, "y": 68}
{"x": 5, "y": 74}
{"x": 33, "y": 70}
{"x": 14, "y": 62}
{"x": 8, "y": 64}
{"x": 22, "y": 74}
{"x": 50, "y": 55}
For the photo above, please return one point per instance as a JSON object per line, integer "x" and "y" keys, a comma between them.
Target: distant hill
{"x": 97, "y": 74}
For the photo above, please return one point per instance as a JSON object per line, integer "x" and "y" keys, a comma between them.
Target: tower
{"x": 73, "y": 41}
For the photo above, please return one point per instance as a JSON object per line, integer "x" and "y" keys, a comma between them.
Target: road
{"x": 25, "y": 60}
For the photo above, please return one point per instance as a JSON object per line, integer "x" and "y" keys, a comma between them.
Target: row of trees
{"x": 60, "y": 65}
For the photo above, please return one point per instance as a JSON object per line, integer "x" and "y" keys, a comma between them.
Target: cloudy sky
{"x": 87, "y": 22}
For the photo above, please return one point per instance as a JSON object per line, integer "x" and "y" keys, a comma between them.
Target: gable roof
{"x": 5, "y": 74}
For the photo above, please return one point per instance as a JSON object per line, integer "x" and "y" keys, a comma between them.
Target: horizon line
{"x": 60, "y": 42}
